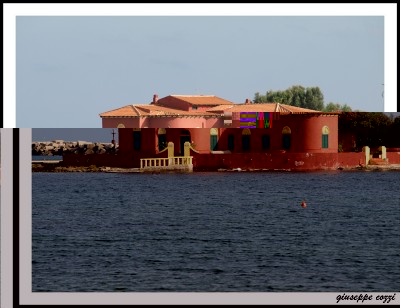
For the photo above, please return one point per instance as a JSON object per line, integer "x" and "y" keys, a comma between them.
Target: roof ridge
{"x": 193, "y": 95}
{"x": 182, "y": 98}
{"x": 136, "y": 110}
{"x": 114, "y": 109}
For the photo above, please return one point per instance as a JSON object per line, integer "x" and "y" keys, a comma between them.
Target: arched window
{"x": 162, "y": 139}
{"x": 325, "y": 137}
{"x": 286, "y": 133}
{"x": 213, "y": 139}
{"x": 121, "y": 125}
{"x": 246, "y": 133}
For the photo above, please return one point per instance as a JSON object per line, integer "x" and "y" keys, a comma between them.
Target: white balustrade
{"x": 165, "y": 162}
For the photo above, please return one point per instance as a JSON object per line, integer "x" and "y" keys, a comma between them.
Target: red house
{"x": 168, "y": 112}
{"x": 211, "y": 133}
{"x": 222, "y": 134}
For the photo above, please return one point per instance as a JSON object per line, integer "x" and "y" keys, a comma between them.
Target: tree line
{"x": 299, "y": 96}
{"x": 356, "y": 129}
{"x": 373, "y": 129}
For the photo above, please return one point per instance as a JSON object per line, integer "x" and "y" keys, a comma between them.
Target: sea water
{"x": 216, "y": 232}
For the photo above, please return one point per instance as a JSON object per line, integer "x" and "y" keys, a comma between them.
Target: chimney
{"x": 155, "y": 99}
{"x": 247, "y": 101}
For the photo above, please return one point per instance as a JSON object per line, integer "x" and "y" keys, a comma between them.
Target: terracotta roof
{"x": 202, "y": 99}
{"x": 126, "y": 111}
{"x": 152, "y": 110}
{"x": 220, "y": 108}
{"x": 270, "y": 107}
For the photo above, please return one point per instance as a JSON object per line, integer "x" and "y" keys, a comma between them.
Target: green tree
{"x": 314, "y": 99}
{"x": 297, "y": 95}
{"x": 332, "y": 107}
{"x": 259, "y": 98}
{"x": 371, "y": 129}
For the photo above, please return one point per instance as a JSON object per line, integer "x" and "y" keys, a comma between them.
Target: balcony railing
{"x": 166, "y": 163}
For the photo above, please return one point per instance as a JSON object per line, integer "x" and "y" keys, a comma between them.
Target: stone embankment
{"x": 60, "y": 147}
{"x": 58, "y": 167}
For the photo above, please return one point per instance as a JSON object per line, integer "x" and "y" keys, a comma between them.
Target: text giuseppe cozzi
{"x": 365, "y": 297}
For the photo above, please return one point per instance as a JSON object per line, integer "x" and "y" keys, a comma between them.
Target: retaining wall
{"x": 213, "y": 162}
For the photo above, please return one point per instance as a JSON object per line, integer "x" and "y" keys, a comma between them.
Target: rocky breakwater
{"x": 60, "y": 147}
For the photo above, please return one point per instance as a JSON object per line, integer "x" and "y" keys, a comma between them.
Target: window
{"x": 246, "y": 139}
{"x": 266, "y": 142}
{"x": 231, "y": 142}
{"x": 286, "y": 133}
{"x": 325, "y": 137}
{"x": 194, "y": 107}
{"x": 162, "y": 139}
{"x": 121, "y": 125}
{"x": 137, "y": 139}
{"x": 213, "y": 139}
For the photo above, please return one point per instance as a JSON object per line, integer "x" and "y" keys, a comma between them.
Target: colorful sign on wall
{"x": 256, "y": 119}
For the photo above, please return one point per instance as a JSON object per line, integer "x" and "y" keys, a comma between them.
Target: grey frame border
{"x": 27, "y": 297}
{"x": 6, "y": 291}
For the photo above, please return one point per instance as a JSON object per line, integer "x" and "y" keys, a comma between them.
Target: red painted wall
{"x": 393, "y": 157}
{"x": 172, "y": 102}
{"x": 147, "y": 141}
{"x": 273, "y": 161}
{"x": 306, "y": 133}
{"x": 213, "y": 162}
{"x": 185, "y": 122}
{"x": 306, "y": 136}
{"x": 156, "y": 122}
{"x": 310, "y": 133}
{"x": 201, "y": 137}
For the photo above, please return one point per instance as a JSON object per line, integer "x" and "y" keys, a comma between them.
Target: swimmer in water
{"x": 303, "y": 204}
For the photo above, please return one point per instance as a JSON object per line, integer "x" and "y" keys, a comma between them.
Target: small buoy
{"x": 303, "y": 204}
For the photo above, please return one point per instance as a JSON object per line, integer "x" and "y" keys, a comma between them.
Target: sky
{"x": 69, "y": 69}
{"x": 74, "y": 134}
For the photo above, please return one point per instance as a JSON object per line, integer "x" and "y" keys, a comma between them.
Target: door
{"x": 185, "y": 136}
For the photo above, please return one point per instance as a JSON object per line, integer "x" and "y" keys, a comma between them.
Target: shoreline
{"x": 57, "y": 168}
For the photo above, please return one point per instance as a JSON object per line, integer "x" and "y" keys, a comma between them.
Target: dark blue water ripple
{"x": 216, "y": 232}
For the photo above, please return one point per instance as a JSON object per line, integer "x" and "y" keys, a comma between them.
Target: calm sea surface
{"x": 46, "y": 157}
{"x": 206, "y": 232}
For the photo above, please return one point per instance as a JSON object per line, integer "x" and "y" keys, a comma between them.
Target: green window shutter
{"x": 213, "y": 142}
{"x": 162, "y": 142}
{"x": 325, "y": 141}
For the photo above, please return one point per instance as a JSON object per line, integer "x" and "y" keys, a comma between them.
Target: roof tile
{"x": 203, "y": 99}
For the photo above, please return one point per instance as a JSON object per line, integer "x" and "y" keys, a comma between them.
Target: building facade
{"x": 173, "y": 111}
{"x": 219, "y": 130}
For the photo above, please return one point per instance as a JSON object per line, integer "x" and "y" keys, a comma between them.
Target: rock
{"x": 83, "y": 142}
